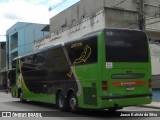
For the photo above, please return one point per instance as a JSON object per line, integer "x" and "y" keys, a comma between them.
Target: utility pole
{"x": 141, "y": 16}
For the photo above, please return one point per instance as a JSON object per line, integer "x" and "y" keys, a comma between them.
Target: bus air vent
{"x": 90, "y": 95}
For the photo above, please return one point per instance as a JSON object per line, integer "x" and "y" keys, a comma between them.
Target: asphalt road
{"x": 7, "y": 103}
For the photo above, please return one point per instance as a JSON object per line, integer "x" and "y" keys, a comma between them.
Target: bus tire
{"x": 73, "y": 102}
{"x": 114, "y": 109}
{"x": 61, "y": 102}
{"x": 22, "y": 100}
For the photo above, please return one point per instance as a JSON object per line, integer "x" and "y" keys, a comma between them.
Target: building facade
{"x": 20, "y": 39}
{"x": 97, "y": 14}
{"x": 2, "y": 65}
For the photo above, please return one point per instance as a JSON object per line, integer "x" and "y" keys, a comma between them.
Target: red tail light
{"x": 104, "y": 86}
{"x": 150, "y": 84}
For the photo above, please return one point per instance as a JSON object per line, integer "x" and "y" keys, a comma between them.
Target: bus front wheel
{"x": 73, "y": 103}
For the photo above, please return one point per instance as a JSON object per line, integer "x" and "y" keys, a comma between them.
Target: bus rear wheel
{"x": 73, "y": 103}
{"x": 115, "y": 109}
{"x": 61, "y": 102}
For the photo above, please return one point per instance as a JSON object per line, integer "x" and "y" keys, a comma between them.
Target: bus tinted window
{"x": 33, "y": 62}
{"x": 126, "y": 46}
{"x": 83, "y": 52}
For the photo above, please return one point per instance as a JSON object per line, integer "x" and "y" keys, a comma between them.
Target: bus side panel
{"x": 88, "y": 76}
{"x": 45, "y": 73}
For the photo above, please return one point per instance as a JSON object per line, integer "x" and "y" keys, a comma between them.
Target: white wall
{"x": 87, "y": 25}
{"x": 155, "y": 58}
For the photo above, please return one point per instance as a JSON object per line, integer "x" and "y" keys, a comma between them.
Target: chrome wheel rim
{"x": 61, "y": 101}
{"x": 73, "y": 103}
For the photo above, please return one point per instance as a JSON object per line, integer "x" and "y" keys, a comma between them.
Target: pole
{"x": 141, "y": 16}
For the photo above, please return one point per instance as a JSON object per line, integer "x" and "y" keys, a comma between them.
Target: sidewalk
{"x": 155, "y": 105}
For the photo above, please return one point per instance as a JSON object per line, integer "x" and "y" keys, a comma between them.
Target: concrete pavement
{"x": 155, "y": 105}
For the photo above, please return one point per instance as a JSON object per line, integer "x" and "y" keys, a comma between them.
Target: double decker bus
{"x": 107, "y": 69}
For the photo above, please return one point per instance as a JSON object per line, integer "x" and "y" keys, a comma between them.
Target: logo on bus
{"x": 128, "y": 83}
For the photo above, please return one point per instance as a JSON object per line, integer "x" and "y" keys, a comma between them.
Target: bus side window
{"x": 57, "y": 61}
{"x": 40, "y": 60}
{"x": 83, "y": 52}
{"x": 34, "y": 62}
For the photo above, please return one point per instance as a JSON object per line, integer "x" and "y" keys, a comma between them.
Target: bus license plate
{"x": 129, "y": 88}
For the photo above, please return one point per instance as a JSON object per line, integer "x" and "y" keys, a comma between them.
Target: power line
{"x": 152, "y": 12}
{"x": 153, "y": 22}
{"x": 157, "y": 1}
{"x": 150, "y": 18}
{"x": 119, "y": 3}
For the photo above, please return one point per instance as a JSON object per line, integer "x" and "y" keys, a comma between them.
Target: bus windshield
{"x": 126, "y": 46}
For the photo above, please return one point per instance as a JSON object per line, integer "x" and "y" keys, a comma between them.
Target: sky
{"x": 34, "y": 11}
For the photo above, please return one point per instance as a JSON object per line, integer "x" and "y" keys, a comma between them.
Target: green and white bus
{"x": 107, "y": 69}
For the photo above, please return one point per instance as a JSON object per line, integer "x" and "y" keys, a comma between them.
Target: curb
{"x": 149, "y": 106}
